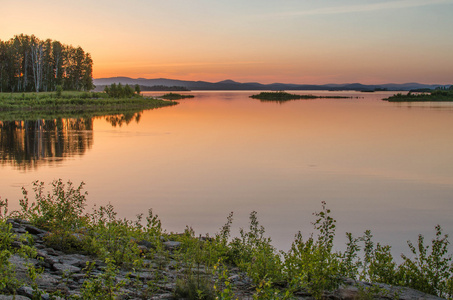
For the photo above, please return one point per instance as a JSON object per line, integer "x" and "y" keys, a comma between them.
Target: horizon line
{"x": 142, "y": 78}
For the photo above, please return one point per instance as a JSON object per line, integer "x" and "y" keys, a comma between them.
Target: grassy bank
{"x": 86, "y": 102}
{"x": 204, "y": 263}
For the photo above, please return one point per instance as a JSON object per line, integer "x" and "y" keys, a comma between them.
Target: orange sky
{"x": 303, "y": 41}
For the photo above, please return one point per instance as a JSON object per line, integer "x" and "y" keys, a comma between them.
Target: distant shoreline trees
{"x": 120, "y": 91}
{"x": 28, "y": 64}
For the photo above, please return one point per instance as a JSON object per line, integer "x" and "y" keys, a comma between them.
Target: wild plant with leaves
{"x": 311, "y": 264}
{"x": 203, "y": 264}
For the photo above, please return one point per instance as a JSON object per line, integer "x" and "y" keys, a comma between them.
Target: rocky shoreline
{"x": 63, "y": 275}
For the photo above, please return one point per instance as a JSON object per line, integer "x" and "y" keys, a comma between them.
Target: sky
{"x": 267, "y": 41}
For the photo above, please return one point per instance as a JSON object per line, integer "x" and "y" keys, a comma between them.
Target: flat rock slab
{"x": 171, "y": 245}
{"x": 65, "y": 268}
{"x": 143, "y": 275}
{"x": 358, "y": 289}
{"x": 48, "y": 281}
{"x": 77, "y": 260}
{"x": 11, "y": 297}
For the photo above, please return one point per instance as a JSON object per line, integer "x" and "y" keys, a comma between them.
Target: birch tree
{"x": 30, "y": 64}
{"x": 37, "y": 57}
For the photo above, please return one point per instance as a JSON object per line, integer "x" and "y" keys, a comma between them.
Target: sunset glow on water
{"x": 380, "y": 166}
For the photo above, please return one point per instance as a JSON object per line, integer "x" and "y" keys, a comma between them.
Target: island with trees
{"x": 284, "y": 96}
{"x": 174, "y": 96}
{"x": 441, "y": 94}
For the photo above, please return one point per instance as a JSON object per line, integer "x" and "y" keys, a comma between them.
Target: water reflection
{"x": 439, "y": 106}
{"x": 119, "y": 120}
{"x": 28, "y": 144}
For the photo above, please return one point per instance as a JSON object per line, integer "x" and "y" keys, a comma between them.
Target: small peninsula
{"x": 45, "y": 78}
{"x": 284, "y": 96}
{"x": 72, "y": 101}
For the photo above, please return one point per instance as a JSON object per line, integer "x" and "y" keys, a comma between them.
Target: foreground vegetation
{"x": 438, "y": 95}
{"x": 284, "y": 96}
{"x": 205, "y": 263}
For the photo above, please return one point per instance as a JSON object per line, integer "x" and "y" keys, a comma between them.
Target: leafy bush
{"x": 103, "y": 285}
{"x": 114, "y": 238}
{"x": 429, "y": 271}
{"x": 59, "y": 210}
{"x": 203, "y": 263}
{"x": 8, "y": 281}
{"x": 312, "y": 264}
{"x": 254, "y": 253}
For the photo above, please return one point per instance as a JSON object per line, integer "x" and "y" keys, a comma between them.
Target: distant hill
{"x": 233, "y": 85}
{"x": 145, "y": 88}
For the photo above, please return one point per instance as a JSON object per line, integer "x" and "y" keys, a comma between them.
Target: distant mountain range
{"x": 233, "y": 85}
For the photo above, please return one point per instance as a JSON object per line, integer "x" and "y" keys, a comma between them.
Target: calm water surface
{"x": 380, "y": 166}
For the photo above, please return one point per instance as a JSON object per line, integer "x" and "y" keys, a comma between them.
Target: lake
{"x": 387, "y": 167}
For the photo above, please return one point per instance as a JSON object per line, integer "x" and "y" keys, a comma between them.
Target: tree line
{"x": 28, "y": 64}
{"x": 120, "y": 91}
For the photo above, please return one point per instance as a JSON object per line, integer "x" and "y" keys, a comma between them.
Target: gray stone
{"x": 51, "y": 260}
{"x": 12, "y": 297}
{"x": 53, "y": 252}
{"x": 34, "y": 230}
{"x": 352, "y": 290}
{"x": 147, "y": 244}
{"x": 12, "y": 222}
{"x": 78, "y": 276}
{"x": 77, "y": 260}
{"x": 142, "y": 275}
{"x": 47, "y": 281}
{"x": 164, "y": 296}
{"x": 16, "y": 244}
{"x": 25, "y": 291}
{"x": 66, "y": 269}
{"x": 20, "y": 266}
{"x": 172, "y": 245}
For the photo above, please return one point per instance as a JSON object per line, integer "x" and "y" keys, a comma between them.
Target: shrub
{"x": 254, "y": 253}
{"x": 59, "y": 90}
{"x": 312, "y": 264}
{"x": 114, "y": 238}
{"x": 429, "y": 271}
{"x": 58, "y": 210}
{"x": 103, "y": 285}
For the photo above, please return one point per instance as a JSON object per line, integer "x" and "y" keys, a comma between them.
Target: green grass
{"x": 73, "y": 102}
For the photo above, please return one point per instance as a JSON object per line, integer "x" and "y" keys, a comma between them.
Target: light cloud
{"x": 188, "y": 64}
{"x": 365, "y": 7}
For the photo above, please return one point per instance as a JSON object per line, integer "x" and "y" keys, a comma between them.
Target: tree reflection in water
{"x": 29, "y": 144}
{"x": 119, "y": 120}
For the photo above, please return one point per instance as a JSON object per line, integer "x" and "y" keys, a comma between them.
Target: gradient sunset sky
{"x": 289, "y": 41}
